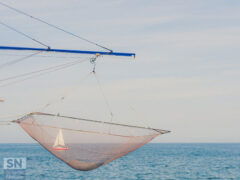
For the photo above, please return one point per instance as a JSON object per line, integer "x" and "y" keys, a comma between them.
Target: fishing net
{"x": 85, "y": 144}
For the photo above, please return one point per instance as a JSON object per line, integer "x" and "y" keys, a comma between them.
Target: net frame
{"x": 112, "y": 145}
{"x": 160, "y": 131}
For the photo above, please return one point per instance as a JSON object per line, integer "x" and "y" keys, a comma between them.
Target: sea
{"x": 152, "y": 161}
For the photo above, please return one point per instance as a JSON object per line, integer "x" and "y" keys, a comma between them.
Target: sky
{"x": 185, "y": 78}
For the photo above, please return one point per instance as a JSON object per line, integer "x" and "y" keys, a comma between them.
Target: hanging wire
{"x": 63, "y": 97}
{"x": 54, "y": 26}
{"x": 27, "y": 36}
{"x": 139, "y": 117}
{"x": 94, "y": 61}
{"x": 104, "y": 96}
{"x": 3, "y": 123}
{"x": 18, "y": 60}
{"x": 45, "y": 106}
{"x": 12, "y": 117}
{"x": 41, "y": 70}
{"x": 65, "y": 94}
{"x": 53, "y": 69}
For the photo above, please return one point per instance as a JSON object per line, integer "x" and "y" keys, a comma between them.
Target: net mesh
{"x": 85, "y": 144}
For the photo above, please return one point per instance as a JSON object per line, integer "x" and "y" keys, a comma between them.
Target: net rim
{"x": 160, "y": 131}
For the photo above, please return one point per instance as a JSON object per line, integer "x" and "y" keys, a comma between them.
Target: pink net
{"x": 85, "y": 144}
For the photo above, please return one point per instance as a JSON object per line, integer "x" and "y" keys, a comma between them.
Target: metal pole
{"x": 67, "y": 51}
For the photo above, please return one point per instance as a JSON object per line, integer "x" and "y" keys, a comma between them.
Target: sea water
{"x": 152, "y": 161}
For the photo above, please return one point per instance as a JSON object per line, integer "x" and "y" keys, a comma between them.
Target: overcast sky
{"x": 185, "y": 78}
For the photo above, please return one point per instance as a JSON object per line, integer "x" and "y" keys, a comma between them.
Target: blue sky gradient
{"x": 185, "y": 77}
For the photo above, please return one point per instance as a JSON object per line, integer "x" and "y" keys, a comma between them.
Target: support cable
{"x": 64, "y": 96}
{"x": 54, "y": 26}
{"x": 139, "y": 117}
{"x": 43, "y": 73}
{"x": 27, "y": 36}
{"x": 104, "y": 96}
{"x": 41, "y": 70}
{"x": 3, "y": 123}
{"x": 17, "y": 60}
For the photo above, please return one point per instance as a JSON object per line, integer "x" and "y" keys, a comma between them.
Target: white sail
{"x": 59, "y": 139}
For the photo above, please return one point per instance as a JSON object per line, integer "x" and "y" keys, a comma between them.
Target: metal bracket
{"x": 93, "y": 61}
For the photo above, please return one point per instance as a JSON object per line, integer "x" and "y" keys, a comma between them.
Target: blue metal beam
{"x": 67, "y": 51}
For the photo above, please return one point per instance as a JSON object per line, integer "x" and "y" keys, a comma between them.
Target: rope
{"x": 17, "y": 60}
{"x": 27, "y": 36}
{"x": 140, "y": 119}
{"x": 3, "y": 123}
{"x": 106, "y": 100}
{"x": 45, "y": 106}
{"x": 104, "y": 96}
{"x": 38, "y": 71}
{"x": 42, "y": 108}
{"x": 54, "y": 69}
{"x": 63, "y": 97}
{"x": 54, "y": 26}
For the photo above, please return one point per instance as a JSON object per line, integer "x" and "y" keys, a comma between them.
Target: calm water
{"x": 153, "y": 161}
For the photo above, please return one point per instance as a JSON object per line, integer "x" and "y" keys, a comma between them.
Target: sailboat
{"x": 59, "y": 142}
